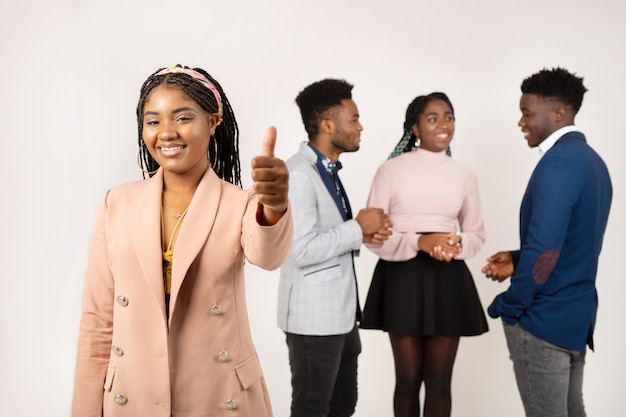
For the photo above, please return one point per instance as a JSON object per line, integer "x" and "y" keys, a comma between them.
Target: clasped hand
{"x": 441, "y": 246}
{"x": 375, "y": 225}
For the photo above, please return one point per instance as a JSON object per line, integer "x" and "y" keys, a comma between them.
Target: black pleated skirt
{"x": 424, "y": 297}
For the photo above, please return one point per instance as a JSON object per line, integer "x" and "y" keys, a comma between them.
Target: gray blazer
{"x": 317, "y": 290}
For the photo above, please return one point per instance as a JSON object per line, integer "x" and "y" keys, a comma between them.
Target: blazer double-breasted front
{"x": 200, "y": 361}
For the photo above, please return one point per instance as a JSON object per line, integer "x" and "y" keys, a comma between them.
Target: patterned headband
{"x": 199, "y": 77}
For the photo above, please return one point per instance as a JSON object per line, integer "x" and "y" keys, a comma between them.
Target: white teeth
{"x": 173, "y": 148}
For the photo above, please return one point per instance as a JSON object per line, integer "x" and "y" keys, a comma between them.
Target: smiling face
{"x": 435, "y": 126}
{"x": 177, "y": 131}
{"x": 540, "y": 117}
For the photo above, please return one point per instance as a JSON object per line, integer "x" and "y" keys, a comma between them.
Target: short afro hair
{"x": 316, "y": 99}
{"x": 556, "y": 83}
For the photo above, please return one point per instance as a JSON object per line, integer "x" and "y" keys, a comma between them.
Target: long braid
{"x": 147, "y": 164}
{"x": 227, "y": 165}
{"x": 409, "y": 140}
{"x": 226, "y": 161}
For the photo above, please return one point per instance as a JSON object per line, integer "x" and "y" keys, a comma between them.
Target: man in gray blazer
{"x": 318, "y": 306}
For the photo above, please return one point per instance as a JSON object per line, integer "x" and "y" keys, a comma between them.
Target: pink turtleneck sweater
{"x": 425, "y": 191}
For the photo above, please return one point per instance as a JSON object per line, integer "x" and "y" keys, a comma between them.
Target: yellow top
{"x": 168, "y": 252}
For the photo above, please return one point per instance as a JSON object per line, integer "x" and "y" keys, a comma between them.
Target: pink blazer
{"x": 131, "y": 360}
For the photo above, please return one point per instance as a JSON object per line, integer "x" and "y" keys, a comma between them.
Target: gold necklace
{"x": 175, "y": 216}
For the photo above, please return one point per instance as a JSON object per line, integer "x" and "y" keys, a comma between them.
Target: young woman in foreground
{"x": 164, "y": 329}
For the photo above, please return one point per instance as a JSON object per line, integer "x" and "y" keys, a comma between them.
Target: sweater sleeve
{"x": 471, "y": 219}
{"x": 400, "y": 246}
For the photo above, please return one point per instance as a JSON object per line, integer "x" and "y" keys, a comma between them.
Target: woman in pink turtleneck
{"x": 422, "y": 292}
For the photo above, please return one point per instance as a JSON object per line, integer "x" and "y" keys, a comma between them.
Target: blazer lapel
{"x": 195, "y": 229}
{"x": 146, "y": 232}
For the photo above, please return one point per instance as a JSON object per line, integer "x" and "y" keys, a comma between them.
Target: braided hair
{"x": 413, "y": 112}
{"x": 225, "y": 151}
{"x": 558, "y": 84}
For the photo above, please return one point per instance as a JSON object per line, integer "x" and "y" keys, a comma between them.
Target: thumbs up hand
{"x": 270, "y": 181}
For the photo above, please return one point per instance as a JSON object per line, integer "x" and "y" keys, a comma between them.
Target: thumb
{"x": 269, "y": 141}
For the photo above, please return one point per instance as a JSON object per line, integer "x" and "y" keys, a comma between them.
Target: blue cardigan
{"x": 563, "y": 216}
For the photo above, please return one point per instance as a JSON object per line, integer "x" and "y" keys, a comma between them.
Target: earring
{"x": 149, "y": 173}
{"x": 417, "y": 142}
{"x": 215, "y": 151}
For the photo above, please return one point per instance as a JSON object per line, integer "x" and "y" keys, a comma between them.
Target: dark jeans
{"x": 323, "y": 374}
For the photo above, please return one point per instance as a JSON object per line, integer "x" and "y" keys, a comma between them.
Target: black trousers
{"x": 324, "y": 374}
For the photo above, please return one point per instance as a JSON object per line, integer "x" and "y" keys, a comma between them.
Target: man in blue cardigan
{"x": 549, "y": 309}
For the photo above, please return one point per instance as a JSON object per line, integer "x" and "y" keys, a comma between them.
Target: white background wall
{"x": 70, "y": 74}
